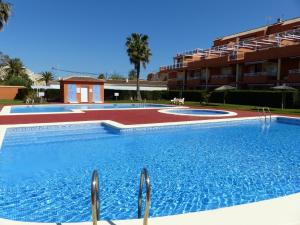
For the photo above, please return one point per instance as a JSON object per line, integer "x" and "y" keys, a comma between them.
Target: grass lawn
{"x": 221, "y": 106}
{"x": 10, "y": 102}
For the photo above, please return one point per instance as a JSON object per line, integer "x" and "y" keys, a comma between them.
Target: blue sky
{"x": 90, "y": 35}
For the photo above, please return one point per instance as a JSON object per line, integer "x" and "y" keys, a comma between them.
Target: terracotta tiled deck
{"x": 127, "y": 117}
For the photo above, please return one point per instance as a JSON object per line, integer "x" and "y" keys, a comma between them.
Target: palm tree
{"x": 5, "y": 11}
{"x": 132, "y": 74}
{"x": 139, "y": 53}
{"x": 47, "y": 76}
{"x": 14, "y": 67}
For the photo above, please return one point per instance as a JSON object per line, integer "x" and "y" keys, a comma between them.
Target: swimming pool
{"x": 58, "y": 108}
{"x": 199, "y": 112}
{"x": 45, "y": 171}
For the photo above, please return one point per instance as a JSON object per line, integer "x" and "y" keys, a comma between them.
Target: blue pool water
{"x": 197, "y": 112}
{"x": 45, "y": 172}
{"x": 69, "y": 108}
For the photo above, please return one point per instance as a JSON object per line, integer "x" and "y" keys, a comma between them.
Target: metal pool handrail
{"x": 144, "y": 177}
{"x": 269, "y": 111}
{"x": 95, "y": 202}
{"x": 264, "y": 111}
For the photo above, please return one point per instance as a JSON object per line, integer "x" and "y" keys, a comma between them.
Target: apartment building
{"x": 261, "y": 57}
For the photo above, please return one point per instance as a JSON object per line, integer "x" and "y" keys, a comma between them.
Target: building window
{"x": 226, "y": 71}
{"x": 72, "y": 97}
{"x": 96, "y": 93}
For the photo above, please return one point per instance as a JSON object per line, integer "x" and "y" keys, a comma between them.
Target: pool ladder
{"x": 95, "y": 200}
{"x": 265, "y": 112}
{"x": 144, "y": 177}
{"x": 143, "y": 103}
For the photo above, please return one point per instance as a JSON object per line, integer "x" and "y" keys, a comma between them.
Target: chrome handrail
{"x": 270, "y": 114}
{"x": 95, "y": 202}
{"x": 263, "y": 111}
{"x": 144, "y": 176}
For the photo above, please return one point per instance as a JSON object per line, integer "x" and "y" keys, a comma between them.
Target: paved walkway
{"x": 127, "y": 117}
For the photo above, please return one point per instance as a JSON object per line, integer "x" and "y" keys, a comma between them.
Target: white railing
{"x": 174, "y": 66}
{"x": 292, "y": 34}
{"x": 259, "y": 43}
{"x": 190, "y": 52}
{"x": 294, "y": 71}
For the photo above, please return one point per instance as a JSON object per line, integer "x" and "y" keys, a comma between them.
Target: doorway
{"x": 84, "y": 96}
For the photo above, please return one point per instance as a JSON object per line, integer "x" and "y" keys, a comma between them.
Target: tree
{"x": 101, "y": 76}
{"x": 19, "y": 81}
{"x": 116, "y": 76}
{"x": 3, "y": 59}
{"x": 5, "y": 11}
{"x": 15, "y": 73}
{"x": 139, "y": 53}
{"x": 14, "y": 67}
{"x": 47, "y": 76}
{"x": 132, "y": 75}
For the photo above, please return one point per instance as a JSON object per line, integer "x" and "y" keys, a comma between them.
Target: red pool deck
{"x": 127, "y": 117}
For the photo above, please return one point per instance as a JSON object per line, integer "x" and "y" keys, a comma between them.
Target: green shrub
{"x": 156, "y": 95}
{"x": 22, "y": 93}
{"x": 254, "y": 97}
{"x": 53, "y": 95}
{"x": 19, "y": 81}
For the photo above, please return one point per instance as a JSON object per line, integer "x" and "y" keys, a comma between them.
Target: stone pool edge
{"x": 278, "y": 211}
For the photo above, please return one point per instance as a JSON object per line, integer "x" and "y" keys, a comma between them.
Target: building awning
{"x": 44, "y": 87}
{"x": 133, "y": 87}
{"x": 256, "y": 62}
{"x": 11, "y": 86}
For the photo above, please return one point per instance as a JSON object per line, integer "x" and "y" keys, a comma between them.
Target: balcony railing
{"x": 190, "y": 52}
{"x": 222, "y": 76}
{"x": 294, "y": 71}
{"x": 174, "y": 66}
{"x": 254, "y": 44}
{"x": 253, "y": 74}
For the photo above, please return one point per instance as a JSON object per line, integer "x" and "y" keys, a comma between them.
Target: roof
{"x": 297, "y": 19}
{"x": 11, "y": 86}
{"x": 133, "y": 83}
{"x": 82, "y": 78}
{"x": 53, "y": 82}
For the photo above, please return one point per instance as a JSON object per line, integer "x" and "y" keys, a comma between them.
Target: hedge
{"x": 52, "y": 95}
{"x": 156, "y": 95}
{"x": 255, "y": 97}
{"x": 22, "y": 93}
{"x": 241, "y": 97}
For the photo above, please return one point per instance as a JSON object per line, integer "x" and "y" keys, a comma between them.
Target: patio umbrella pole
{"x": 282, "y": 101}
{"x": 283, "y": 89}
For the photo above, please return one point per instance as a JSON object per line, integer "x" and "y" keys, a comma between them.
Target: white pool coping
{"x": 278, "y": 211}
{"x": 228, "y": 113}
{"x": 6, "y": 110}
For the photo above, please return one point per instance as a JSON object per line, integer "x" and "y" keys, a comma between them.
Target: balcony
{"x": 173, "y": 67}
{"x": 260, "y": 77}
{"x": 222, "y": 79}
{"x": 294, "y": 76}
{"x": 262, "y": 73}
{"x": 294, "y": 72}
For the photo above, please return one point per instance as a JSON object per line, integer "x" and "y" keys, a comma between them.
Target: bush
{"x": 255, "y": 97}
{"x": 241, "y": 97}
{"x": 52, "y": 95}
{"x": 22, "y": 93}
{"x": 155, "y": 95}
{"x": 19, "y": 81}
